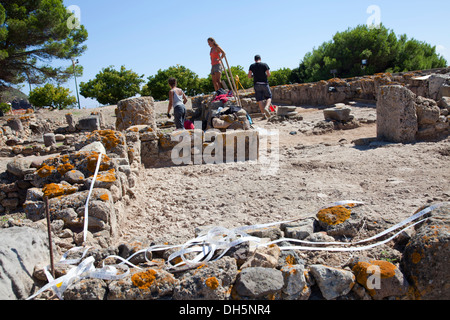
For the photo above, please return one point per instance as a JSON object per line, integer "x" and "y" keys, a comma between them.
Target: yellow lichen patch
{"x": 176, "y": 261}
{"x": 65, "y": 158}
{"x": 54, "y": 190}
{"x": 45, "y": 171}
{"x": 416, "y": 257}
{"x": 64, "y": 168}
{"x": 212, "y": 283}
{"x": 290, "y": 259}
{"x": 387, "y": 269}
{"x": 104, "y": 197}
{"x": 92, "y": 161}
{"x": 334, "y": 216}
{"x": 363, "y": 270}
{"x": 144, "y": 280}
{"x": 108, "y": 137}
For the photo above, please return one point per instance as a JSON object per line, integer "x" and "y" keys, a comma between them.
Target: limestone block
{"x": 259, "y": 283}
{"x": 49, "y": 139}
{"x": 427, "y": 111}
{"x": 136, "y": 111}
{"x": 90, "y": 123}
{"x": 15, "y": 124}
{"x": 340, "y": 112}
{"x": 333, "y": 282}
{"x": 22, "y": 248}
{"x": 396, "y": 114}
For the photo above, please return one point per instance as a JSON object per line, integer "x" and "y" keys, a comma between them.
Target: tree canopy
{"x": 110, "y": 86}
{"x": 51, "y": 96}
{"x": 158, "y": 86}
{"x": 32, "y": 34}
{"x": 383, "y": 50}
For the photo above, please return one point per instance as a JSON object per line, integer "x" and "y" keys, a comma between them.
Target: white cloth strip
{"x": 86, "y": 213}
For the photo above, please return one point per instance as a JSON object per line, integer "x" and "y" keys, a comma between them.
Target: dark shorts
{"x": 179, "y": 113}
{"x": 217, "y": 68}
{"x": 262, "y": 92}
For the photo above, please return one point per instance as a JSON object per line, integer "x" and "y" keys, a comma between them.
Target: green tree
{"x": 382, "y": 49}
{"x": 110, "y": 86}
{"x": 51, "y": 96}
{"x": 239, "y": 71}
{"x": 158, "y": 86}
{"x": 280, "y": 77}
{"x": 32, "y": 34}
{"x": 4, "y": 107}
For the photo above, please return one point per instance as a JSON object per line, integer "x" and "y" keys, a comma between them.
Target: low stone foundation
{"x": 198, "y": 147}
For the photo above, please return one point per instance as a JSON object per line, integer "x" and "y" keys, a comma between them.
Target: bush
{"x": 110, "y": 86}
{"x": 382, "y": 49}
{"x": 4, "y": 107}
{"x": 51, "y": 96}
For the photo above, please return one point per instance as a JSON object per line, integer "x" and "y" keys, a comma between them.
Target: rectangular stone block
{"x": 396, "y": 114}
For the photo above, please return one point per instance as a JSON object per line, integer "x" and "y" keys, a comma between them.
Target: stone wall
{"x": 30, "y": 135}
{"x": 432, "y": 84}
{"x": 65, "y": 180}
{"x": 404, "y": 117}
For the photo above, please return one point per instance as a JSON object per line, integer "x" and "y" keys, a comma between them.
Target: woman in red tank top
{"x": 217, "y": 54}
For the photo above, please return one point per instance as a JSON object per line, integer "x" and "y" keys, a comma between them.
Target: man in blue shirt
{"x": 260, "y": 72}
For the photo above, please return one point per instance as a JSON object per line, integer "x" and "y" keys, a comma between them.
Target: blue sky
{"x": 148, "y": 35}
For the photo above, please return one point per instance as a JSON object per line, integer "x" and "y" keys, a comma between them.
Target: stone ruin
{"x": 410, "y": 107}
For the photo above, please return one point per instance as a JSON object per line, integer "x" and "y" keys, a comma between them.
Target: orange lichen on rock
{"x": 45, "y": 171}
{"x": 92, "y": 161}
{"x": 363, "y": 270}
{"x": 104, "y": 197}
{"x": 54, "y": 190}
{"x": 335, "y": 215}
{"x": 65, "y": 158}
{"x": 108, "y": 137}
{"x": 290, "y": 259}
{"x": 212, "y": 283}
{"x": 64, "y": 168}
{"x": 144, "y": 280}
{"x": 416, "y": 257}
{"x": 108, "y": 176}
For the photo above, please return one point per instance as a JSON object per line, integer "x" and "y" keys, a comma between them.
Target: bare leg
{"x": 264, "y": 110}
{"x": 268, "y": 104}
{"x": 216, "y": 80}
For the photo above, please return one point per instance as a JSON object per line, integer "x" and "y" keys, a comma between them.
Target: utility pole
{"x": 76, "y": 84}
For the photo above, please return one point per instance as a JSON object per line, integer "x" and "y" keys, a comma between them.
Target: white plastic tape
{"x": 216, "y": 241}
{"x": 86, "y": 213}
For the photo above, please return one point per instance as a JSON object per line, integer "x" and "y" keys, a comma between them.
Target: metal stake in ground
{"x": 50, "y": 242}
{"x": 232, "y": 82}
{"x": 228, "y": 77}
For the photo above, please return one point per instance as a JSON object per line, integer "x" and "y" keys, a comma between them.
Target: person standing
{"x": 260, "y": 72}
{"x": 177, "y": 101}
{"x": 217, "y": 54}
